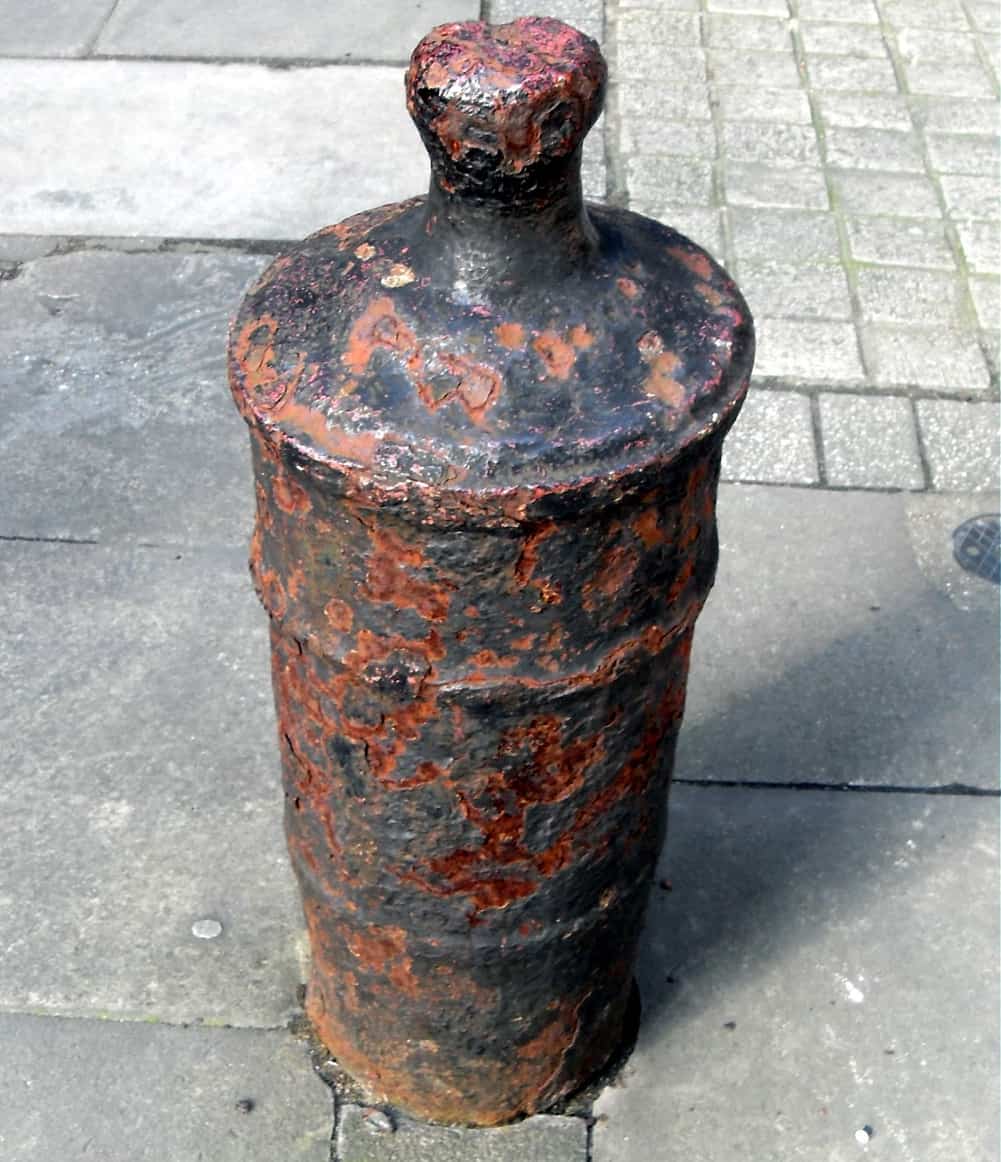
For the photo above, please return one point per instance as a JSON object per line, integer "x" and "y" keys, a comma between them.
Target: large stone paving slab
{"x": 824, "y": 966}
{"x": 126, "y": 1092}
{"x": 317, "y": 30}
{"x": 53, "y": 28}
{"x": 826, "y": 654}
{"x": 117, "y": 418}
{"x": 141, "y": 790}
{"x": 174, "y": 149}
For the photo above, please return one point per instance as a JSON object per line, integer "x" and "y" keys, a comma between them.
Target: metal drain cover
{"x": 977, "y": 545}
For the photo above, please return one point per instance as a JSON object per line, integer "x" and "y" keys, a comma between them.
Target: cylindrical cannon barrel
{"x": 486, "y": 427}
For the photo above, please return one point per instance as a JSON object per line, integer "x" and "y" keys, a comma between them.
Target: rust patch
{"x": 380, "y": 326}
{"x": 627, "y": 287}
{"x": 694, "y": 260}
{"x": 510, "y": 335}
{"x": 558, "y": 357}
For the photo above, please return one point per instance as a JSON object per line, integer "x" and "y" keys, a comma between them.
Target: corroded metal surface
{"x": 486, "y": 428}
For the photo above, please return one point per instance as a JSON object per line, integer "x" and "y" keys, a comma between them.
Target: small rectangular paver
{"x": 587, "y": 15}
{"x": 678, "y": 139}
{"x": 848, "y": 11}
{"x": 652, "y": 26}
{"x": 981, "y": 242}
{"x": 681, "y": 180}
{"x": 779, "y": 290}
{"x": 823, "y": 962}
{"x": 772, "y": 442}
{"x": 915, "y": 356}
{"x": 808, "y": 351}
{"x": 338, "y": 140}
{"x": 318, "y": 30}
{"x": 902, "y": 295}
{"x": 539, "y": 1139}
{"x": 864, "y": 111}
{"x": 961, "y": 443}
{"x": 638, "y": 103}
{"x": 55, "y": 28}
{"x": 747, "y": 103}
{"x": 763, "y": 235}
{"x": 869, "y": 192}
{"x": 947, "y": 14}
{"x": 640, "y": 57}
{"x": 970, "y": 196}
{"x": 757, "y": 7}
{"x": 986, "y": 294}
{"x": 869, "y": 74}
{"x": 840, "y": 39}
{"x": 955, "y": 114}
{"x": 900, "y": 242}
{"x": 744, "y": 32}
{"x": 136, "y": 1092}
{"x": 701, "y": 224}
{"x": 870, "y": 442}
{"x": 883, "y": 149}
{"x": 754, "y": 184}
{"x": 773, "y": 145}
{"x": 966, "y": 79}
{"x": 963, "y": 153}
{"x": 769, "y": 70}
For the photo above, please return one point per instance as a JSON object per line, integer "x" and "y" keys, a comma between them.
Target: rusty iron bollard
{"x": 486, "y": 427}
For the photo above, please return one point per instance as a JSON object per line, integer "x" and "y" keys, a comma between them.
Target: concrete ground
{"x": 820, "y": 981}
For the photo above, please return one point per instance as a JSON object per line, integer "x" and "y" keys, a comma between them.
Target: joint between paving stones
{"x": 616, "y": 186}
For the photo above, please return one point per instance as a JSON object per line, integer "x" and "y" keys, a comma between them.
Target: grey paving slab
{"x": 643, "y": 102}
{"x": 847, "y": 11}
{"x": 926, "y": 44}
{"x": 902, "y": 295}
{"x": 772, "y": 145}
{"x": 826, "y": 654}
{"x": 981, "y": 242}
{"x": 753, "y": 184}
{"x": 767, "y": 70}
{"x": 900, "y": 242}
{"x": 673, "y": 179}
{"x": 970, "y": 196}
{"x": 700, "y": 223}
{"x": 587, "y": 15}
{"x": 59, "y": 28}
{"x": 743, "y": 32}
{"x": 739, "y": 102}
{"x": 134, "y": 1092}
{"x": 928, "y": 513}
{"x": 964, "y": 153}
{"x": 869, "y": 192}
{"x": 683, "y": 138}
{"x": 100, "y": 151}
{"x": 865, "y": 110}
{"x": 773, "y": 443}
{"x": 757, "y": 7}
{"x": 966, "y": 79}
{"x": 779, "y": 290}
{"x": 118, "y": 420}
{"x": 987, "y": 299}
{"x": 947, "y": 14}
{"x": 822, "y": 963}
{"x": 656, "y": 26}
{"x": 762, "y": 235}
{"x": 640, "y": 57}
{"x": 849, "y": 73}
{"x": 142, "y": 790}
{"x": 955, "y": 114}
{"x": 24, "y": 247}
{"x": 361, "y": 1138}
{"x": 870, "y": 442}
{"x": 841, "y": 39}
{"x": 882, "y": 149}
{"x": 961, "y": 443}
{"x": 942, "y": 359}
{"x": 808, "y": 351}
{"x": 350, "y": 29}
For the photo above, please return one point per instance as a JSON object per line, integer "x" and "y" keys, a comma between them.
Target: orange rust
{"x": 615, "y": 568}
{"x": 289, "y": 495}
{"x": 477, "y": 388}
{"x": 380, "y": 326}
{"x": 660, "y": 381}
{"x": 523, "y": 643}
{"x": 627, "y": 287}
{"x": 510, "y": 335}
{"x": 339, "y": 615}
{"x": 581, "y": 337}
{"x": 709, "y": 293}
{"x": 695, "y": 261}
{"x": 646, "y": 525}
{"x": 387, "y": 581}
{"x": 528, "y": 558}
{"x": 357, "y": 446}
{"x": 558, "y": 357}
